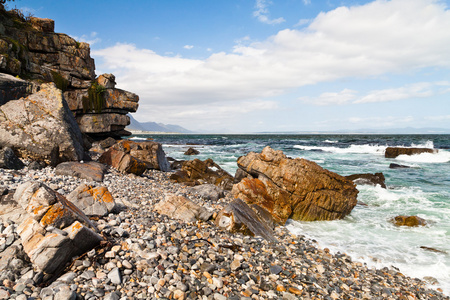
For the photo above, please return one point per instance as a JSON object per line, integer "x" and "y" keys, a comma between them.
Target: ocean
{"x": 366, "y": 234}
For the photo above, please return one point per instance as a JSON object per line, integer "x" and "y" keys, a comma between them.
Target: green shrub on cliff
{"x": 96, "y": 100}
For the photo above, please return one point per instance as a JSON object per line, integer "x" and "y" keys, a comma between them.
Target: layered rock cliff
{"x": 31, "y": 50}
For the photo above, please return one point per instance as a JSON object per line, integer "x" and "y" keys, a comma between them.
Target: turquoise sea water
{"x": 366, "y": 234}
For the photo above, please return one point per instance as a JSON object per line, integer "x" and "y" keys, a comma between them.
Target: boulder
{"x": 43, "y": 25}
{"x": 8, "y": 160}
{"x": 181, "y": 208}
{"x": 191, "y": 151}
{"x": 397, "y": 166}
{"x": 12, "y": 88}
{"x": 93, "y": 201}
{"x": 9, "y": 208}
{"x": 196, "y": 172}
{"x": 107, "y": 81}
{"x": 55, "y": 229}
{"x": 123, "y": 162}
{"x": 92, "y": 170}
{"x": 368, "y": 179}
{"x": 239, "y": 217}
{"x": 294, "y": 188}
{"x": 393, "y": 152}
{"x": 41, "y": 127}
{"x": 208, "y": 191}
{"x": 411, "y": 221}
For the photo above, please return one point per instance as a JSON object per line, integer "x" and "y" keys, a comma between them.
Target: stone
{"x": 411, "y": 221}
{"x": 196, "y": 172}
{"x": 41, "y": 127}
{"x": 9, "y": 208}
{"x": 114, "y": 276}
{"x": 93, "y": 201}
{"x": 43, "y": 25}
{"x": 50, "y": 250}
{"x": 393, "y": 152}
{"x": 8, "y": 160}
{"x": 294, "y": 188}
{"x": 397, "y": 166}
{"x": 107, "y": 81}
{"x": 151, "y": 153}
{"x": 181, "y": 208}
{"x": 191, "y": 151}
{"x": 123, "y": 162}
{"x": 208, "y": 191}
{"x": 368, "y": 179}
{"x": 12, "y": 88}
{"x": 92, "y": 171}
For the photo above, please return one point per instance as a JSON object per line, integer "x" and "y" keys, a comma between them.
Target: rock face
{"x": 41, "y": 127}
{"x": 411, "y": 221}
{"x": 55, "y": 229}
{"x": 195, "y": 172}
{"x": 294, "y": 188}
{"x": 181, "y": 208}
{"x": 151, "y": 153}
{"x": 393, "y": 152}
{"x": 368, "y": 179}
{"x": 31, "y": 49}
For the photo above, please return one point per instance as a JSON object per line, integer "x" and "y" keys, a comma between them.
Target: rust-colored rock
{"x": 294, "y": 188}
{"x": 151, "y": 153}
{"x": 123, "y": 162}
{"x": 393, "y": 152}
{"x": 195, "y": 172}
{"x": 411, "y": 221}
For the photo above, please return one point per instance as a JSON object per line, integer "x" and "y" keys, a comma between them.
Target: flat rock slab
{"x": 181, "y": 208}
{"x": 92, "y": 170}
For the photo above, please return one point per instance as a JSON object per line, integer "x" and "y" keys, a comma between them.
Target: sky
{"x": 270, "y": 66}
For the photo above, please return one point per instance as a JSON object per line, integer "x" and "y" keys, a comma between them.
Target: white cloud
{"x": 188, "y": 47}
{"x": 343, "y": 97}
{"x": 438, "y": 118}
{"x": 302, "y": 22}
{"x": 380, "y": 122}
{"x": 306, "y": 2}
{"x": 375, "y": 39}
{"x": 262, "y": 13}
{"x": 91, "y": 39}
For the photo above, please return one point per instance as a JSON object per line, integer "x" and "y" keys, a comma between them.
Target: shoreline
{"x": 160, "y": 257}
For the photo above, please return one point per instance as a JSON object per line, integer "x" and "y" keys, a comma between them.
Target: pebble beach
{"x": 150, "y": 256}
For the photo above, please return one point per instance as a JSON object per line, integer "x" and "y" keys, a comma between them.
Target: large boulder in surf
{"x": 151, "y": 153}
{"x": 196, "y": 172}
{"x": 410, "y": 221}
{"x": 393, "y": 152}
{"x": 294, "y": 188}
{"x": 368, "y": 179}
{"x": 41, "y": 127}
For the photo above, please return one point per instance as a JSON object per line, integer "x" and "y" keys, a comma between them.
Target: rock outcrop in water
{"x": 30, "y": 48}
{"x": 368, "y": 179}
{"x": 393, "y": 152}
{"x": 294, "y": 188}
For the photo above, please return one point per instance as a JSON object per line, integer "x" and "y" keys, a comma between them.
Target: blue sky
{"x": 259, "y": 65}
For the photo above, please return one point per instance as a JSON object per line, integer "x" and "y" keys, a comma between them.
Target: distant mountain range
{"x": 155, "y": 127}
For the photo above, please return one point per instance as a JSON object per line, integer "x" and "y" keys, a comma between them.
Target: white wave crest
{"x": 428, "y": 144}
{"x": 441, "y": 157}
{"x": 360, "y": 149}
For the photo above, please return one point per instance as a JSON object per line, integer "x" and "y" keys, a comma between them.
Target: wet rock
{"x": 93, "y": 201}
{"x": 92, "y": 171}
{"x": 181, "y": 208}
{"x": 433, "y": 250}
{"x": 411, "y": 221}
{"x": 294, "y": 188}
{"x": 397, "y": 166}
{"x": 393, "y": 152}
{"x": 368, "y": 179}
{"x": 191, "y": 151}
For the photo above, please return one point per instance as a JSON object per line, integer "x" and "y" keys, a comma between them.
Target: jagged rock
{"x": 44, "y": 25}
{"x": 12, "y": 260}
{"x": 107, "y": 81}
{"x": 12, "y": 88}
{"x": 208, "y": 191}
{"x": 397, "y": 166}
{"x": 93, "y": 201}
{"x": 393, "y": 152}
{"x": 151, "y": 153}
{"x": 411, "y": 221}
{"x": 294, "y": 188}
{"x": 106, "y": 143}
{"x": 41, "y": 127}
{"x": 8, "y": 160}
{"x": 92, "y": 170}
{"x": 123, "y": 162}
{"x": 101, "y": 123}
{"x": 181, "y": 208}
{"x": 368, "y": 179}
{"x": 239, "y": 217}
{"x": 49, "y": 249}
{"x": 191, "y": 151}
{"x": 196, "y": 172}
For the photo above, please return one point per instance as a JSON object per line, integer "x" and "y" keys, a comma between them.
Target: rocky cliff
{"x": 31, "y": 50}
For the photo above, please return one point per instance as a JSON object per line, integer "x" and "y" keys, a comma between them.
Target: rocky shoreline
{"x": 150, "y": 256}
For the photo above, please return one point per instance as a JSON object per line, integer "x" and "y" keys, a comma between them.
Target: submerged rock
{"x": 294, "y": 188}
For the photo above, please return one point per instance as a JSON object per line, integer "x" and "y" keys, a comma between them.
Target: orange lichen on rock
{"x": 57, "y": 216}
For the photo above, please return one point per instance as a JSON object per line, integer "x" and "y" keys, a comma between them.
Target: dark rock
{"x": 411, "y": 221}
{"x": 12, "y": 88}
{"x": 191, "y": 151}
{"x": 8, "y": 160}
{"x": 36, "y": 165}
{"x": 393, "y": 152}
{"x": 433, "y": 250}
{"x": 275, "y": 269}
{"x": 93, "y": 171}
{"x": 108, "y": 142}
{"x": 368, "y": 179}
{"x": 397, "y": 166}
{"x": 294, "y": 188}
